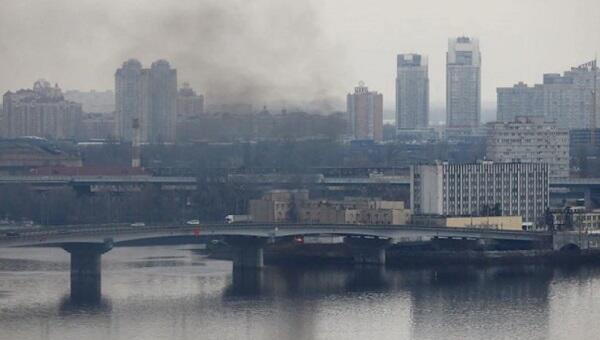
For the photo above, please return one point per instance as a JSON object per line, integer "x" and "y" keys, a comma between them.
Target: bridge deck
{"x": 119, "y": 233}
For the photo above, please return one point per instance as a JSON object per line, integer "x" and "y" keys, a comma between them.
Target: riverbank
{"x": 342, "y": 254}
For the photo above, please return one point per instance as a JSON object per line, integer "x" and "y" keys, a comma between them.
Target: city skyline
{"x": 328, "y": 55}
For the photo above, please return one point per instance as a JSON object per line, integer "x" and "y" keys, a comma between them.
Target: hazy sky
{"x": 290, "y": 52}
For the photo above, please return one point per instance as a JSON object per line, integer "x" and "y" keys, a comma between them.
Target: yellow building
{"x": 480, "y": 222}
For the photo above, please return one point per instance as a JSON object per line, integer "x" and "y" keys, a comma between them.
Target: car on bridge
{"x": 193, "y": 222}
{"x": 138, "y": 224}
{"x": 12, "y": 234}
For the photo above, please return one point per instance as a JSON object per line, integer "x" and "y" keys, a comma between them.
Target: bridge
{"x": 86, "y": 244}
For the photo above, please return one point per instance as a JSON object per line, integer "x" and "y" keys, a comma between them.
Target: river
{"x": 171, "y": 292}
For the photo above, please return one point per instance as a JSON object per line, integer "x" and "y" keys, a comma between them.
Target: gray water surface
{"x": 172, "y": 293}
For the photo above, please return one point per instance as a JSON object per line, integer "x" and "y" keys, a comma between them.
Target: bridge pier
{"x": 369, "y": 251}
{"x": 247, "y": 252}
{"x": 86, "y": 270}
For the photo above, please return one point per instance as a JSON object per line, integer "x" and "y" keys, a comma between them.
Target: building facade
{"x": 473, "y": 189}
{"x": 295, "y": 206}
{"x": 463, "y": 83}
{"x": 189, "y": 104}
{"x": 146, "y": 102}
{"x": 365, "y": 113}
{"x": 41, "y": 112}
{"x": 566, "y": 98}
{"x": 530, "y": 140}
{"x": 519, "y": 101}
{"x": 412, "y": 92}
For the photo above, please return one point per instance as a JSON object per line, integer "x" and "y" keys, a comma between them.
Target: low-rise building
{"x": 576, "y": 218}
{"x": 477, "y": 222}
{"x": 22, "y": 155}
{"x": 295, "y": 206}
{"x": 473, "y": 189}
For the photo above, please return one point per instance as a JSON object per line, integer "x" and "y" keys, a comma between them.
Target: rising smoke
{"x": 234, "y": 51}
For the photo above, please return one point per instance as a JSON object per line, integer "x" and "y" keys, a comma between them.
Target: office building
{"x": 412, "y": 92}
{"x": 365, "y": 114}
{"x": 530, "y": 140}
{"x": 146, "y": 101}
{"x": 475, "y": 189}
{"x": 463, "y": 83}
{"x": 41, "y": 112}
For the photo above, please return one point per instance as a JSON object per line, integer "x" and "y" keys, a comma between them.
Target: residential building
{"x": 97, "y": 126}
{"x": 463, "y": 83}
{"x": 365, "y": 113}
{"x": 189, "y": 104}
{"x": 472, "y": 189}
{"x": 93, "y": 101}
{"x": 565, "y": 98}
{"x": 146, "y": 102}
{"x": 519, "y": 101}
{"x": 530, "y": 140}
{"x": 412, "y": 92}
{"x": 42, "y": 112}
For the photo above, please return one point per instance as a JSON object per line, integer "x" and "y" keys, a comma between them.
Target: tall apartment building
{"x": 412, "y": 92}
{"x": 93, "y": 101}
{"x": 463, "y": 83}
{"x": 566, "y": 99}
{"x": 365, "y": 113}
{"x": 146, "y": 98}
{"x": 189, "y": 104}
{"x": 530, "y": 140}
{"x": 42, "y": 112}
{"x": 470, "y": 189}
{"x": 519, "y": 101}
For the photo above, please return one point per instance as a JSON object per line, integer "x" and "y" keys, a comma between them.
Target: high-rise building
{"x": 93, "y": 101}
{"x": 41, "y": 112}
{"x": 146, "y": 99}
{"x": 463, "y": 83}
{"x": 567, "y": 99}
{"x": 412, "y": 92}
{"x": 129, "y": 98}
{"x": 530, "y": 140}
{"x": 163, "y": 102}
{"x": 365, "y": 113}
{"x": 519, "y": 101}
{"x": 475, "y": 189}
{"x": 189, "y": 104}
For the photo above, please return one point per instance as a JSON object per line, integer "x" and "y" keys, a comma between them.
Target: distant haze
{"x": 307, "y": 53}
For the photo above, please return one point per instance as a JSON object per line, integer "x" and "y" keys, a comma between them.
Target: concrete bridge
{"x": 86, "y": 244}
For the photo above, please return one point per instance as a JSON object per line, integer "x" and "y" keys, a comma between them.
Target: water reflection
{"x": 202, "y": 298}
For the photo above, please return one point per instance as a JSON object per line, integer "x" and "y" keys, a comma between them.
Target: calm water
{"x": 172, "y": 293}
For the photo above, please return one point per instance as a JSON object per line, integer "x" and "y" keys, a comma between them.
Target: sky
{"x": 305, "y": 53}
